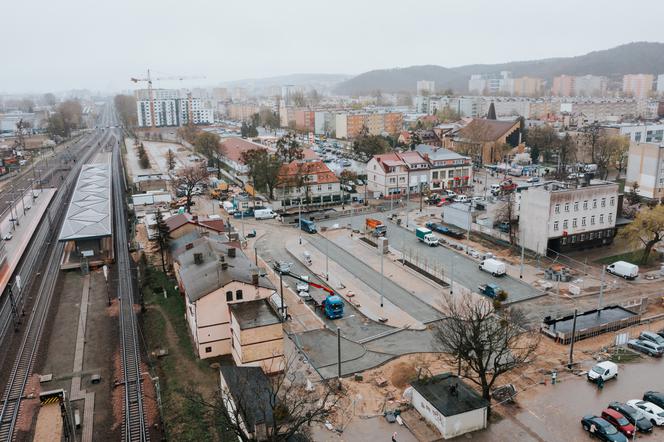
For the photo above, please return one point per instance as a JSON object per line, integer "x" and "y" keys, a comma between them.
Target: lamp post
{"x": 381, "y": 250}
{"x": 21, "y": 195}
{"x": 299, "y": 219}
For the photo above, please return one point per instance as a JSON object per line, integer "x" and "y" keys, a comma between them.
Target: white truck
{"x": 623, "y": 269}
{"x": 493, "y": 266}
{"x": 426, "y": 236}
{"x": 264, "y": 214}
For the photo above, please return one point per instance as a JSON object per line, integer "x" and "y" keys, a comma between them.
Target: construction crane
{"x": 148, "y": 79}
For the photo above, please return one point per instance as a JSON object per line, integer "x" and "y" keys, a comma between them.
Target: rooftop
{"x": 323, "y": 175}
{"x": 207, "y": 264}
{"x": 252, "y": 314}
{"x": 449, "y": 395}
{"x": 89, "y": 214}
{"x": 487, "y": 130}
{"x": 438, "y": 153}
{"x": 234, "y": 147}
{"x": 251, "y": 391}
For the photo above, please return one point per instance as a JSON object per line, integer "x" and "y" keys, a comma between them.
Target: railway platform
{"x": 16, "y": 234}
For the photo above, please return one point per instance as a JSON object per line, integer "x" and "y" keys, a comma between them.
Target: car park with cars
{"x": 654, "y": 397}
{"x": 619, "y": 421}
{"x": 633, "y": 415}
{"x": 647, "y": 347}
{"x": 653, "y": 337}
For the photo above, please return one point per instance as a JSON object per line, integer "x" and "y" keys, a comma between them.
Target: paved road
{"x": 466, "y": 271}
{"x": 398, "y": 295}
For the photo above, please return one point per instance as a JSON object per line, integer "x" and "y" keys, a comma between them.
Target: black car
{"x": 601, "y": 429}
{"x": 654, "y": 397}
{"x": 633, "y": 416}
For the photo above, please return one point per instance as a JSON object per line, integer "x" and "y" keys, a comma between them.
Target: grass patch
{"x": 633, "y": 257}
{"x": 185, "y": 420}
{"x": 624, "y": 355}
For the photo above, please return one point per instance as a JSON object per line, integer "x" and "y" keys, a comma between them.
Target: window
{"x": 319, "y": 188}
{"x": 613, "y": 201}
{"x": 563, "y": 240}
{"x": 557, "y": 209}
{"x": 592, "y": 220}
{"x": 208, "y": 349}
{"x": 573, "y": 239}
{"x": 600, "y": 234}
{"x": 603, "y": 202}
{"x": 229, "y": 296}
{"x": 555, "y": 225}
{"x": 566, "y": 207}
{"x": 565, "y": 224}
{"x": 392, "y": 180}
{"x": 238, "y": 295}
{"x": 601, "y": 219}
{"x": 594, "y": 203}
{"x": 592, "y": 235}
{"x": 610, "y": 217}
{"x": 583, "y": 222}
{"x": 329, "y": 187}
{"x": 574, "y": 222}
{"x": 576, "y": 206}
{"x": 585, "y": 205}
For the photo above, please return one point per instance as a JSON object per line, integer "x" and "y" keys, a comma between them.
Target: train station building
{"x": 88, "y": 225}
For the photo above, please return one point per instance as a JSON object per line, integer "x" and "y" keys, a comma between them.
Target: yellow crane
{"x": 148, "y": 79}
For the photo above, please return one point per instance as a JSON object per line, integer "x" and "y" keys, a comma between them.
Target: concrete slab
{"x": 22, "y": 229}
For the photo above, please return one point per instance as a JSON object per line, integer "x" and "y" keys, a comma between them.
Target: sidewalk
{"x": 366, "y": 299}
{"x": 22, "y": 230}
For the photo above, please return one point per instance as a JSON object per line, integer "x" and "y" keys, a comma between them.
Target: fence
{"x": 431, "y": 266}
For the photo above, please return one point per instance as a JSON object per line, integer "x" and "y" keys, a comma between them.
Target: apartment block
{"x": 563, "y": 86}
{"x": 169, "y": 108}
{"x": 349, "y": 125}
{"x": 646, "y": 167}
{"x": 426, "y": 87}
{"x": 638, "y": 85}
{"x": 527, "y": 87}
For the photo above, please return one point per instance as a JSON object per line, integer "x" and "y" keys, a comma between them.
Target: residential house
{"x": 311, "y": 183}
{"x": 397, "y": 173}
{"x": 231, "y": 153}
{"x": 448, "y": 169}
{"x": 213, "y": 276}
{"x": 247, "y": 395}
{"x": 560, "y": 217}
{"x": 450, "y": 405}
{"x": 257, "y": 337}
{"x": 488, "y": 141}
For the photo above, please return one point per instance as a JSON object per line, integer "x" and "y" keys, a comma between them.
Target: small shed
{"x": 449, "y": 405}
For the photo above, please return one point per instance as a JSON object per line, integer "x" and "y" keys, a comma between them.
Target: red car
{"x": 444, "y": 201}
{"x": 619, "y": 421}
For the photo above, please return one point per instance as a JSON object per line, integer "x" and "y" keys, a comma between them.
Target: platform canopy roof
{"x": 89, "y": 214}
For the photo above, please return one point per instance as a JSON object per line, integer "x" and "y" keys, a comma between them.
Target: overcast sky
{"x": 54, "y": 45}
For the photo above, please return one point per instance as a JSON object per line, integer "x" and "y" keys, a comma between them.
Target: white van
{"x": 623, "y": 269}
{"x": 228, "y": 207}
{"x": 264, "y": 214}
{"x": 605, "y": 370}
{"x": 461, "y": 199}
{"x": 493, "y": 266}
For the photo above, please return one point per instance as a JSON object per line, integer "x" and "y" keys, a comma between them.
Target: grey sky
{"x": 56, "y": 45}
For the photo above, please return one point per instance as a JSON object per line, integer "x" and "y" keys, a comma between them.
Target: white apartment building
{"x": 645, "y": 166}
{"x": 491, "y": 84}
{"x": 660, "y": 84}
{"x": 590, "y": 86}
{"x": 560, "y": 217}
{"x": 643, "y": 133}
{"x": 448, "y": 170}
{"x": 171, "y": 109}
{"x": 638, "y": 85}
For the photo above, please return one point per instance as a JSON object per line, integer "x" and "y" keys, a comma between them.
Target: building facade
{"x": 645, "y": 166}
{"x": 170, "y": 108}
{"x": 447, "y": 170}
{"x": 638, "y": 85}
{"x": 426, "y": 87}
{"x": 309, "y": 183}
{"x": 575, "y": 217}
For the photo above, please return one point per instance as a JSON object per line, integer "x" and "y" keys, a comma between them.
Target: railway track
{"x": 134, "y": 423}
{"x": 23, "y": 363}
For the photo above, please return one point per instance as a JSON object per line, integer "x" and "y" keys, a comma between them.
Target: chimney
{"x": 194, "y": 218}
{"x": 231, "y": 252}
{"x": 254, "y": 278}
{"x": 198, "y": 258}
{"x": 189, "y": 246}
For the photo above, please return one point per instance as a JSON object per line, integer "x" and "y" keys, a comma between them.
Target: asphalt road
{"x": 466, "y": 271}
{"x": 398, "y": 295}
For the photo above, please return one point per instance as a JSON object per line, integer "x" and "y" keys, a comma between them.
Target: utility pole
{"x": 601, "y": 291}
{"x": 571, "y": 347}
{"x": 381, "y": 249}
{"x": 522, "y": 254}
{"x": 327, "y": 260}
{"x": 299, "y": 219}
{"x": 281, "y": 285}
{"x": 452, "y": 275}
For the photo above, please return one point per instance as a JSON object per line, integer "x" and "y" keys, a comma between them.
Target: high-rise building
{"x": 491, "y": 84}
{"x": 170, "y": 109}
{"x": 563, "y": 86}
{"x": 590, "y": 86}
{"x": 426, "y": 87}
{"x": 527, "y": 86}
{"x": 287, "y": 94}
{"x": 660, "y": 84}
{"x": 638, "y": 85}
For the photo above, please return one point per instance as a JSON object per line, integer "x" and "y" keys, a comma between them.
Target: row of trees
{"x": 604, "y": 150}
{"x": 67, "y": 117}
{"x": 143, "y": 159}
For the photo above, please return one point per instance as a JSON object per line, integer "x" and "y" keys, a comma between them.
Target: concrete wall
{"x": 260, "y": 346}
{"x": 642, "y": 167}
{"x": 458, "y": 215}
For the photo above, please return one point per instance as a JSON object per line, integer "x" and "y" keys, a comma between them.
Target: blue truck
{"x": 307, "y": 226}
{"x": 331, "y": 304}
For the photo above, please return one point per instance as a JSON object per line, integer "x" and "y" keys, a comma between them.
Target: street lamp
{"x": 22, "y": 195}
{"x": 381, "y": 250}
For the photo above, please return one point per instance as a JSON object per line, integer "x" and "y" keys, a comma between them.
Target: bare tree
{"x": 507, "y": 213}
{"x": 189, "y": 178}
{"x": 285, "y": 406}
{"x": 170, "y": 160}
{"x": 485, "y": 341}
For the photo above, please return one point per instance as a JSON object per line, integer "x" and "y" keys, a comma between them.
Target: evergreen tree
{"x": 163, "y": 237}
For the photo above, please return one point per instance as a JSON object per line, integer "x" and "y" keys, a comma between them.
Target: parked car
{"x": 652, "y": 337}
{"x": 461, "y": 199}
{"x": 282, "y": 266}
{"x": 623, "y": 269}
{"x": 619, "y": 421}
{"x": 493, "y": 266}
{"x": 654, "y": 397}
{"x": 600, "y": 428}
{"x": 647, "y": 347}
{"x": 533, "y": 179}
{"x": 649, "y": 410}
{"x": 633, "y": 415}
{"x": 605, "y": 370}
